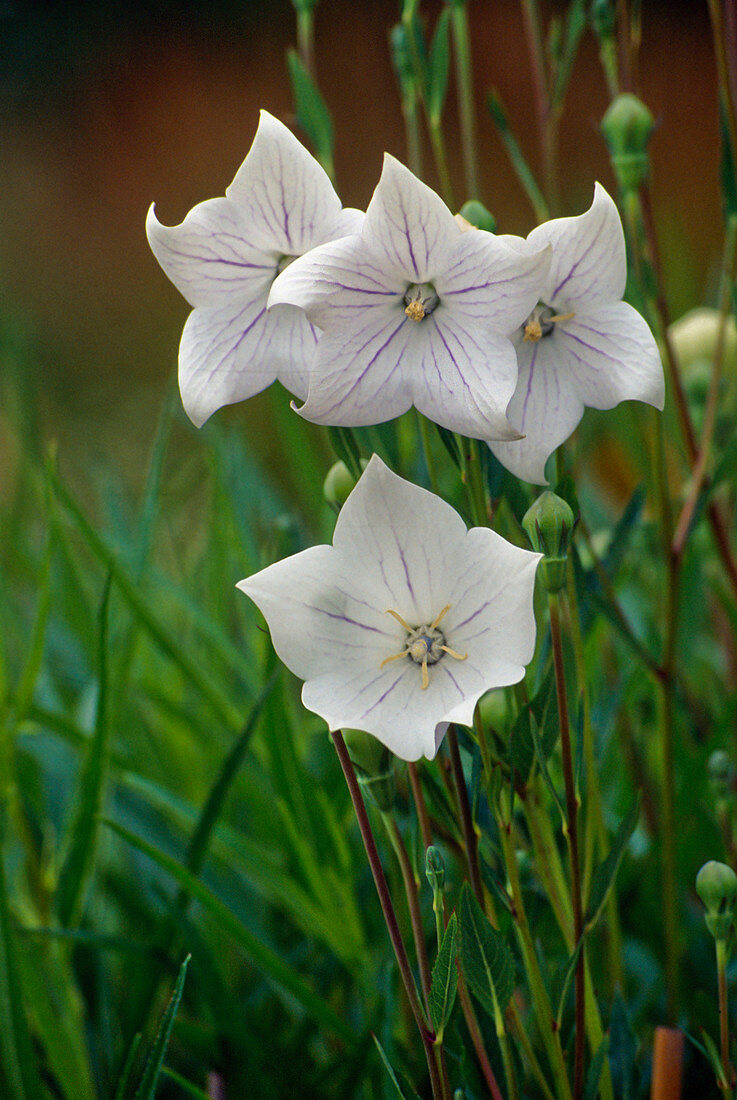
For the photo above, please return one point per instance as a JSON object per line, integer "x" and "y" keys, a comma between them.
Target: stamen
{"x": 436, "y": 620}
{"x": 561, "y": 317}
{"x": 394, "y": 657}
{"x": 425, "y": 677}
{"x": 399, "y": 619}
{"x": 415, "y": 310}
{"x": 452, "y": 652}
{"x": 533, "y": 331}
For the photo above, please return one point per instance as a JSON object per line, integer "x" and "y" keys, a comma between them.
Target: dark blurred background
{"x": 106, "y": 108}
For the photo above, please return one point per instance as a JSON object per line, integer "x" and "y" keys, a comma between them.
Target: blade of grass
{"x": 147, "y": 1088}
{"x": 16, "y": 1054}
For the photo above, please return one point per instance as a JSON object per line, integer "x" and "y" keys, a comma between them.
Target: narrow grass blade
{"x": 312, "y": 111}
{"x": 147, "y": 1088}
{"x": 16, "y": 1055}
{"x": 344, "y": 443}
{"x": 127, "y": 1071}
{"x": 78, "y": 866}
{"x": 516, "y": 156}
{"x": 261, "y": 955}
{"x": 392, "y": 1075}
{"x": 605, "y": 873}
{"x": 185, "y": 1085}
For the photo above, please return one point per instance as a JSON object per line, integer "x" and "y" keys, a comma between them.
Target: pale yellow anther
{"x": 415, "y": 310}
{"x": 425, "y": 677}
{"x": 394, "y": 657}
{"x": 561, "y": 317}
{"x": 533, "y": 331}
{"x": 452, "y": 653}
{"x": 399, "y": 619}
{"x": 439, "y": 616}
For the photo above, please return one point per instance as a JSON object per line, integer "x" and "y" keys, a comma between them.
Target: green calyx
{"x": 716, "y": 885}
{"x": 627, "y": 127}
{"x": 548, "y": 524}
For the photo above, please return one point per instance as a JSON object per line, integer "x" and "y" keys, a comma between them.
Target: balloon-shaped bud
{"x": 434, "y": 868}
{"x": 339, "y": 483}
{"x": 549, "y": 523}
{"x": 627, "y": 126}
{"x": 477, "y": 216}
{"x": 716, "y": 885}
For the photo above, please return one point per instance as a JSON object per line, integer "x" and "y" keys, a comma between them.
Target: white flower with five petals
{"x": 414, "y": 311}
{"x": 581, "y": 345}
{"x": 406, "y": 620}
{"x": 224, "y": 258}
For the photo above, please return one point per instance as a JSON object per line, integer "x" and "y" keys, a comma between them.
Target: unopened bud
{"x": 434, "y": 868}
{"x": 476, "y": 214}
{"x": 549, "y": 523}
{"x": 716, "y": 885}
{"x": 627, "y": 126}
{"x": 720, "y": 770}
{"x": 339, "y": 483}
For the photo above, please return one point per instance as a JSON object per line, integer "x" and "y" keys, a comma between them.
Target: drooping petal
{"x": 610, "y": 355}
{"x": 208, "y": 256}
{"x": 284, "y": 194}
{"x": 230, "y": 352}
{"x": 336, "y": 282}
{"x": 408, "y": 225}
{"x": 545, "y": 407}
{"x": 589, "y": 264}
{"x": 491, "y": 282}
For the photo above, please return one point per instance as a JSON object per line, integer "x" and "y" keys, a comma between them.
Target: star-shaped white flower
{"x": 582, "y": 345}
{"x": 415, "y": 311}
{"x": 406, "y": 620}
{"x": 224, "y": 258}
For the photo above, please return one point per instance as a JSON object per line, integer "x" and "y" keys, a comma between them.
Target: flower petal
{"x": 408, "y": 225}
{"x": 545, "y": 407}
{"x": 488, "y": 280}
{"x": 610, "y": 355}
{"x": 230, "y": 352}
{"x": 589, "y": 264}
{"x": 207, "y": 256}
{"x": 286, "y": 197}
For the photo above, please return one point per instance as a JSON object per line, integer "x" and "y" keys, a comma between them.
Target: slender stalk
{"x": 726, "y": 1086}
{"x": 469, "y": 831}
{"x": 464, "y": 78}
{"x": 478, "y": 1043}
{"x": 667, "y": 1064}
{"x": 413, "y": 904}
{"x": 722, "y": 56}
{"x": 390, "y": 916}
{"x": 432, "y": 471}
{"x": 572, "y": 836}
{"x": 475, "y": 483}
{"x": 419, "y": 801}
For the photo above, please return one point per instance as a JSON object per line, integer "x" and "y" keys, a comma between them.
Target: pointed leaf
{"x": 127, "y": 1071}
{"x": 312, "y": 111}
{"x": 622, "y": 1051}
{"x": 593, "y": 1077}
{"x": 444, "y": 979}
{"x": 16, "y": 1054}
{"x": 402, "y": 1095}
{"x": 567, "y": 978}
{"x": 438, "y": 65}
{"x": 516, "y": 156}
{"x": 486, "y": 961}
{"x": 147, "y": 1088}
{"x": 605, "y": 873}
{"x": 344, "y": 443}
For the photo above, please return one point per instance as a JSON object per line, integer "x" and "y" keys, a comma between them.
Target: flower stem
{"x": 390, "y": 916}
{"x": 464, "y": 77}
{"x": 419, "y": 801}
{"x": 413, "y": 904}
{"x": 726, "y": 1085}
{"x": 478, "y": 1043}
{"x": 432, "y": 471}
{"x": 572, "y": 836}
{"x": 469, "y": 832}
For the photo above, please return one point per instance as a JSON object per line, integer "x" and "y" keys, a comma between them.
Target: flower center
{"x": 419, "y": 300}
{"x": 542, "y": 321}
{"x": 424, "y": 645}
{"x": 284, "y": 261}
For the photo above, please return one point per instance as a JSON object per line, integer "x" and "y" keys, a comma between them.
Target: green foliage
{"x": 485, "y": 958}
{"x": 444, "y": 979}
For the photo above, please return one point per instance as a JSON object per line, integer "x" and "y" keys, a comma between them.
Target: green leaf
{"x": 127, "y": 1071}
{"x": 147, "y": 1088}
{"x": 485, "y": 959}
{"x": 450, "y": 442}
{"x": 16, "y": 1054}
{"x": 575, "y": 25}
{"x": 622, "y": 1051}
{"x": 567, "y": 978}
{"x": 606, "y": 872}
{"x": 516, "y": 156}
{"x": 262, "y": 956}
{"x": 542, "y": 764}
{"x": 184, "y": 1084}
{"x": 344, "y": 443}
{"x": 541, "y": 712}
{"x": 444, "y": 979}
{"x": 312, "y": 111}
{"x": 83, "y": 833}
{"x": 438, "y": 66}
{"x": 593, "y": 1077}
{"x": 402, "y": 1095}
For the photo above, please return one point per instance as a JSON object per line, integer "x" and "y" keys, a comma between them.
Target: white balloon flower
{"x": 415, "y": 311}
{"x": 224, "y": 258}
{"x": 581, "y": 345}
{"x": 406, "y": 620}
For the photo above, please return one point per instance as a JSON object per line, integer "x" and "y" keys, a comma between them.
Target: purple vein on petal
{"x": 579, "y": 261}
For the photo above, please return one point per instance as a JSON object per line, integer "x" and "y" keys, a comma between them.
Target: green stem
{"x": 390, "y": 916}
{"x": 306, "y": 38}
{"x": 478, "y": 1043}
{"x": 413, "y": 904}
{"x": 469, "y": 831}
{"x": 437, "y": 140}
{"x": 726, "y": 1086}
{"x": 475, "y": 482}
{"x": 432, "y": 471}
{"x": 543, "y": 1009}
{"x": 572, "y": 837}
{"x": 464, "y": 77}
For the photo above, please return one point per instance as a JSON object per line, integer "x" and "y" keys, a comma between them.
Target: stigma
{"x": 424, "y": 645}
{"x": 542, "y": 322}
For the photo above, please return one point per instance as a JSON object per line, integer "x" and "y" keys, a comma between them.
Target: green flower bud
{"x": 716, "y": 885}
{"x": 476, "y": 214}
{"x": 548, "y": 524}
{"x": 374, "y": 765}
{"x": 603, "y": 17}
{"x": 434, "y": 868}
{"x": 339, "y": 483}
{"x": 627, "y": 126}
{"x": 402, "y": 59}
